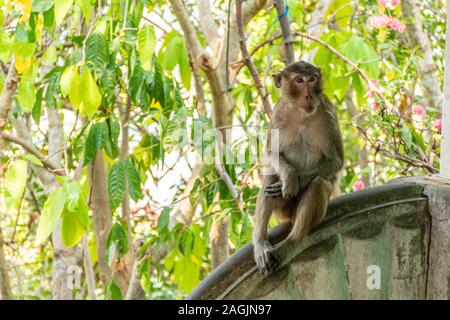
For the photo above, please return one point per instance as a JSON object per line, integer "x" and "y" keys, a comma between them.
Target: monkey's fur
{"x": 310, "y": 156}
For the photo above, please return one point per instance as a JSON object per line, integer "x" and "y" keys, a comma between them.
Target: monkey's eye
{"x": 299, "y": 80}
{"x": 312, "y": 79}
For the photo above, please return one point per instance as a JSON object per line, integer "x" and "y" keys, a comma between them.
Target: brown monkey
{"x": 309, "y": 157}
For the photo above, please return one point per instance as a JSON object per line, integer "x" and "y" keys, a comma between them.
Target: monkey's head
{"x": 301, "y": 83}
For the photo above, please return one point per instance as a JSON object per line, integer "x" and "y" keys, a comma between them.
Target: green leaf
{"x": 175, "y": 47}
{"x": 61, "y": 8}
{"x": 41, "y": 5}
{"x": 54, "y": 77}
{"x": 90, "y": 148}
{"x": 75, "y": 216}
{"x": 96, "y": 140}
{"x": 74, "y": 91}
{"x": 185, "y": 71}
{"x": 15, "y": 181}
{"x": 199, "y": 243}
{"x": 342, "y": 12}
{"x": 158, "y": 84}
{"x": 134, "y": 181}
{"x": 113, "y": 291}
{"x": 163, "y": 220}
{"x": 5, "y": 47}
{"x": 50, "y": 56}
{"x": 33, "y": 159}
{"x": 407, "y": 135}
{"x": 116, "y": 183}
{"x": 246, "y": 230}
{"x": 91, "y": 97}
{"x": 66, "y": 80}
{"x": 51, "y": 213}
{"x": 26, "y": 94}
{"x": 101, "y": 133}
{"x": 97, "y": 51}
{"x": 72, "y": 229}
{"x": 136, "y": 83}
{"x": 36, "y": 112}
{"x": 362, "y": 53}
{"x": 417, "y": 137}
{"x": 112, "y": 147}
{"x": 146, "y": 46}
{"x": 117, "y": 242}
{"x": 109, "y": 82}
{"x": 85, "y": 6}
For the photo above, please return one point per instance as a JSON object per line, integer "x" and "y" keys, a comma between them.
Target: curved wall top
{"x": 372, "y": 244}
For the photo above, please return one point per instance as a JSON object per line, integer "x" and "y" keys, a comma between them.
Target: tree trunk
{"x": 102, "y": 219}
{"x": 426, "y": 67}
{"x": 5, "y": 287}
{"x": 65, "y": 259}
{"x": 123, "y": 275}
{"x": 315, "y": 25}
{"x": 363, "y": 159}
{"x": 222, "y": 102}
{"x": 9, "y": 87}
{"x": 218, "y": 239}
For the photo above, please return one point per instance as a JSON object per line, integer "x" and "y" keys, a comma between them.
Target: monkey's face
{"x": 301, "y": 85}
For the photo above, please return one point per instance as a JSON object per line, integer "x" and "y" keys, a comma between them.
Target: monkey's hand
{"x": 265, "y": 259}
{"x": 288, "y": 189}
{"x": 274, "y": 189}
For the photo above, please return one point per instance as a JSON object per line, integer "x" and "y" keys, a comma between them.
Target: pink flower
{"x": 379, "y": 21}
{"x": 389, "y": 3}
{"x": 419, "y": 109}
{"x": 438, "y": 125}
{"x": 375, "y": 106}
{"x": 359, "y": 185}
{"x": 370, "y": 93}
{"x": 396, "y": 25}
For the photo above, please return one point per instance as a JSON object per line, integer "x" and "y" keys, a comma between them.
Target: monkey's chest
{"x": 301, "y": 147}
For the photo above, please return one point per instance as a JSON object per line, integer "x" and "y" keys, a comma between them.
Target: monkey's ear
{"x": 277, "y": 80}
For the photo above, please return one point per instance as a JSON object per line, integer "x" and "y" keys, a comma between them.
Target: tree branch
{"x": 208, "y": 24}
{"x": 285, "y": 30}
{"x": 248, "y": 61}
{"x": 29, "y": 147}
{"x": 9, "y": 87}
{"x": 429, "y": 79}
{"x": 5, "y": 287}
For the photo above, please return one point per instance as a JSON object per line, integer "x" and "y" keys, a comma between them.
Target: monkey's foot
{"x": 274, "y": 190}
{"x": 265, "y": 258}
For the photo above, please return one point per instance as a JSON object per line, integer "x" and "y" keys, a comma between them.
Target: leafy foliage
{"x": 124, "y": 85}
{"x": 116, "y": 183}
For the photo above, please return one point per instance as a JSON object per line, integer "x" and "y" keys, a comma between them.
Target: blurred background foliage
{"x": 107, "y": 67}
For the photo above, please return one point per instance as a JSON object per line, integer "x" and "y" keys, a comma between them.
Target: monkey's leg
{"x": 262, "y": 248}
{"x": 311, "y": 209}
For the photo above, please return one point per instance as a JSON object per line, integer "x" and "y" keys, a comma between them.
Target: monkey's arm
{"x": 288, "y": 185}
{"x": 332, "y": 160}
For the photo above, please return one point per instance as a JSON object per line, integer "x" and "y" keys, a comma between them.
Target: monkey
{"x": 310, "y": 155}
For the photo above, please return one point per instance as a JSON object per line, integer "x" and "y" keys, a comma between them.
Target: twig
{"x": 49, "y": 165}
{"x": 248, "y": 61}
{"x": 88, "y": 269}
{"x": 282, "y": 11}
{"x": 222, "y": 171}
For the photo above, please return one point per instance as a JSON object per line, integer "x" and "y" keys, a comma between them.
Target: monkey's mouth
{"x": 310, "y": 109}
